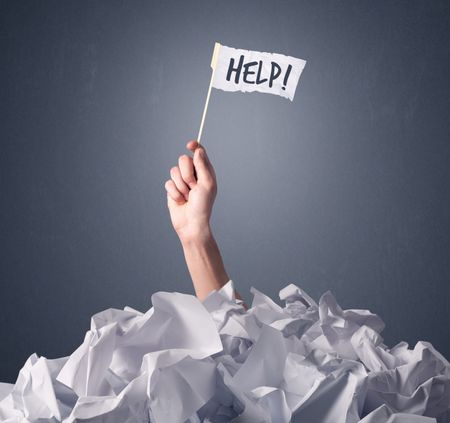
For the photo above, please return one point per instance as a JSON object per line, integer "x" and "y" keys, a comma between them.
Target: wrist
{"x": 197, "y": 235}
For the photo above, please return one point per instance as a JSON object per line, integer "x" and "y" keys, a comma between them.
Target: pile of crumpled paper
{"x": 184, "y": 361}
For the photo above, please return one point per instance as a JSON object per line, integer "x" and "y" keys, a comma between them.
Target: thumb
{"x": 202, "y": 165}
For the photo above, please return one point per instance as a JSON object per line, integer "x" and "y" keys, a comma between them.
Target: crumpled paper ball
{"x": 184, "y": 361}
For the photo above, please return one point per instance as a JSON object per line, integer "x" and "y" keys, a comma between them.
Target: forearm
{"x": 205, "y": 263}
{"x": 190, "y": 196}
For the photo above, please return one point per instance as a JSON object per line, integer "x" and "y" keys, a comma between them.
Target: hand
{"x": 191, "y": 192}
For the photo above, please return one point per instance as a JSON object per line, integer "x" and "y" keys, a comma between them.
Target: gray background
{"x": 346, "y": 189}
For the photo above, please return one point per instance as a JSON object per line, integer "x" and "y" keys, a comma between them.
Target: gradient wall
{"x": 346, "y": 189}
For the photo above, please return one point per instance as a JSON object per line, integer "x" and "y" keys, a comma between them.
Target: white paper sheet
{"x": 187, "y": 362}
{"x": 247, "y": 71}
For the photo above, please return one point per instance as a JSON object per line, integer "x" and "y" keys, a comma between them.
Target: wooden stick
{"x": 215, "y": 56}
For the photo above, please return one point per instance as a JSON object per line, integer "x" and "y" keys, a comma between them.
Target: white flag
{"x": 246, "y": 70}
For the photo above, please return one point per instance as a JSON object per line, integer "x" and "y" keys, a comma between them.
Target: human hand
{"x": 191, "y": 192}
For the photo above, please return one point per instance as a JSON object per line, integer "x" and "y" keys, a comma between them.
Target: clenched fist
{"x": 191, "y": 192}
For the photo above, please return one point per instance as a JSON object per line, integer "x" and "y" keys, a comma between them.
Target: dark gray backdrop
{"x": 346, "y": 189}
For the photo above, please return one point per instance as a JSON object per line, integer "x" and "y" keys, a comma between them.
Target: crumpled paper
{"x": 184, "y": 361}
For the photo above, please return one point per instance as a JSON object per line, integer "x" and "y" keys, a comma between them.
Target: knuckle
{"x": 209, "y": 183}
{"x": 175, "y": 195}
{"x": 189, "y": 177}
{"x": 184, "y": 189}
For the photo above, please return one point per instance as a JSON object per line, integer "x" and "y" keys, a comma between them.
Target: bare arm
{"x": 191, "y": 192}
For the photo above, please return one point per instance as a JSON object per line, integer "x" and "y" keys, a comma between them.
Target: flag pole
{"x": 215, "y": 56}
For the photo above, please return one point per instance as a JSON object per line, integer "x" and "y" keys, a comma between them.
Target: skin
{"x": 191, "y": 191}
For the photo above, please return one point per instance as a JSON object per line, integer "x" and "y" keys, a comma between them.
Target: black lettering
{"x": 248, "y": 72}
{"x": 258, "y": 76}
{"x": 288, "y": 71}
{"x": 237, "y": 69}
{"x": 274, "y": 73}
